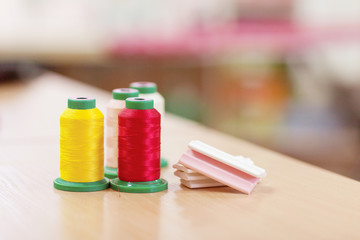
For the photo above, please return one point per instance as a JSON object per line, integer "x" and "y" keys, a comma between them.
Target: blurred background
{"x": 284, "y": 74}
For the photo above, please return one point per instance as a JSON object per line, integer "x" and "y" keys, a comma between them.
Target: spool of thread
{"x": 139, "y": 148}
{"x": 81, "y": 147}
{"x": 114, "y": 107}
{"x": 149, "y": 90}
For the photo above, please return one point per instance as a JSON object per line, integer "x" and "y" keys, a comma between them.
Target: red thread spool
{"x": 139, "y": 141}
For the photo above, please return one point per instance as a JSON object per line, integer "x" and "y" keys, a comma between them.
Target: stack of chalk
{"x": 193, "y": 179}
{"x": 205, "y": 166}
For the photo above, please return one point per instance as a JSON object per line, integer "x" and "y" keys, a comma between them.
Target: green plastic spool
{"x": 139, "y": 103}
{"x": 144, "y": 87}
{"x": 110, "y": 172}
{"x": 81, "y": 186}
{"x": 124, "y": 93}
{"x": 81, "y": 103}
{"x": 139, "y": 187}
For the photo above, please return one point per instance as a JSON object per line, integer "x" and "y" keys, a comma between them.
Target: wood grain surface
{"x": 295, "y": 200}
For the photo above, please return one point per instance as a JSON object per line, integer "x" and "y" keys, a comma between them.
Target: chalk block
{"x": 219, "y": 171}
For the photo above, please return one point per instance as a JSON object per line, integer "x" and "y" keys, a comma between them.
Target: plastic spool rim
{"x": 139, "y": 103}
{"x": 63, "y": 185}
{"x": 110, "y": 172}
{"x": 124, "y": 93}
{"x": 81, "y": 103}
{"x": 144, "y": 87}
{"x": 139, "y": 187}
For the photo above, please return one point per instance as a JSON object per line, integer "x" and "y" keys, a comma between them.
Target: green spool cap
{"x": 81, "y": 103}
{"x": 110, "y": 172}
{"x": 139, "y": 103}
{"x": 144, "y": 87}
{"x": 81, "y": 186}
{"x": 139, "y": 187}
{"x": 124, "y": 93}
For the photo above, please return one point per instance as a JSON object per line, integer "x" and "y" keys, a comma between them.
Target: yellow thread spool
{"x": 81, "y": 147}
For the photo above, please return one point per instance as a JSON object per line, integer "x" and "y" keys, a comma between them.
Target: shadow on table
{"x": 82, "y": 215}
{"x": 202, "y": 208}
{"x": 132, "y": 215}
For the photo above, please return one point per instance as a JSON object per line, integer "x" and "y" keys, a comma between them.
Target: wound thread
{"x": 149, "y": 90}
{"x": 81, "y": 142}
{"x": 139, "y": 141}
{"x": 114, "y": 107}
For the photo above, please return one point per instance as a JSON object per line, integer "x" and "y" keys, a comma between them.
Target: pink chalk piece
{"x": 201, "y": 183}
{"x": 180, "y": 167}
{"x": 219, "y": 171}
{"x": 190, "y": 176}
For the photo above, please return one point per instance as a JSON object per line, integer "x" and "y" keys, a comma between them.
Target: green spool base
{"x": 163, "y": 162}
{"x": 139, "y": 187}
{"x": 81, "y": 187}
{"x": 110, "y": 172}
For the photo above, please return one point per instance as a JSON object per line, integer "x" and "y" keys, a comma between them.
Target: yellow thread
{"x": 82, "y": 145}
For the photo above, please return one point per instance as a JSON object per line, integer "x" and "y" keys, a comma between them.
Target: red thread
{"x": 139, "y": 145}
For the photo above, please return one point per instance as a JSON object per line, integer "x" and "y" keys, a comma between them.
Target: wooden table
{"x": 295, "y": 200}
